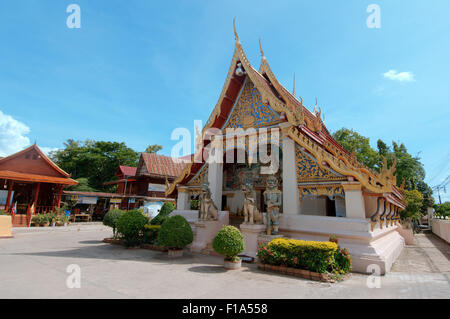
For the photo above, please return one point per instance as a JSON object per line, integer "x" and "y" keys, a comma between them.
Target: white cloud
{"x": 12, "y": 135}
{"x": 47, "y": 150}
{"x": 399, "y": 76}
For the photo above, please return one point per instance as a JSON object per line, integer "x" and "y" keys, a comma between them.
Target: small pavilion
{"x": 33, "y": 183}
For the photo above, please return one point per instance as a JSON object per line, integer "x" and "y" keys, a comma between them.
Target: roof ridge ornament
{"x": 263, "y": 57}
{"x": 293, "y": 89}
{"x": 315, "y": 107}
{"x": 235, "y": 32}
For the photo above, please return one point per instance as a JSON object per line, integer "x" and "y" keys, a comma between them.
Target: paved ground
{"x": 33, "y": 265}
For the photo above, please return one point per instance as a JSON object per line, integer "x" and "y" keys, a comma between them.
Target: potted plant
{"x": 175, "y": 234}
{"x": 44, "y": 221}
{"x": 65, "y": 220}
{"x": 52, "y": 217}
{"x": 36, "y": 220}
{"x": 229, "y": 242}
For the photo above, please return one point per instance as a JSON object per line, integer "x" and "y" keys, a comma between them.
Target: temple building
{"x": 325, "y": 190}
{"x": 33, "y": 183}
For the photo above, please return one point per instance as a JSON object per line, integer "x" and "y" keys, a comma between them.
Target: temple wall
{"x": 370, "y": 204}
{"x": 340, "y": 206}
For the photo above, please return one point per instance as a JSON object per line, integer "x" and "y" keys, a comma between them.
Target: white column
{"x": 354, "y": 201}
{"x": 183, "y": 200}
{"x": 290, "y": 186}
{"x": 215, "y": 176}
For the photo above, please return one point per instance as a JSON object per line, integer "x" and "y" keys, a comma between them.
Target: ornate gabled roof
{"x": 307, "y": 129}
{"x": 34, "y": 147}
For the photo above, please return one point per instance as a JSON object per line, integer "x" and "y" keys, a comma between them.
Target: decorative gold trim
{"x": 321, "y": 190}
{"x": 340, "y": 164}
{"x": 293, "y": 113}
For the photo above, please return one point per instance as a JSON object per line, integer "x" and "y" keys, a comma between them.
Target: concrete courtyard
{"x": 33, "y": 264}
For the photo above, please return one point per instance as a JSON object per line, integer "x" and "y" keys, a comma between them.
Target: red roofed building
{"x": 31, "y": 183}
{"x": 147, "y": 181}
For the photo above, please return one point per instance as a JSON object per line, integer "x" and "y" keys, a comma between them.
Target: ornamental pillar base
{"x": 206, "y": 230}
{"x": 251, "y": 232}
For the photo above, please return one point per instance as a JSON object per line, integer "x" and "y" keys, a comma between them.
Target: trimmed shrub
{"x": 131, "y": 226}
{"x": 175, "y": 233}
{"x": 166, "y": 209}
{"x": 111, "y": 218}
{"x": 151, "y": 234}
{"x": 229, "y": 242}
{"x": 310, "y": 255}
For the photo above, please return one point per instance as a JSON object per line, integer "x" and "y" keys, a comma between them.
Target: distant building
{"x": 146, "y": 182}
{"x": 32, "y": 183}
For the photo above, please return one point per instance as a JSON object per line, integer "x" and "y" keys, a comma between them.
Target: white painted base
{"x": 407, "y": 234}
{"x": 441, "y": 228}
{"x": 251, "y": 233}
{"x": 206, "y": 230}
{"x": 380, "y": 247}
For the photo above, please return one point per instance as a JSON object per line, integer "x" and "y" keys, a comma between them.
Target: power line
{"x": 441, "y": 186}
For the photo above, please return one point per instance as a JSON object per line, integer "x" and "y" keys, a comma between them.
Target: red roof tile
{"x": 127, "y": 170}
{"x": 162, "y": 165}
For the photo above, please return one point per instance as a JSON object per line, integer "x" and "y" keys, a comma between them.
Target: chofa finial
{"x": 260, "y": 49}
{"x": 293, "y": 89}
{"x": 235, "y": 32}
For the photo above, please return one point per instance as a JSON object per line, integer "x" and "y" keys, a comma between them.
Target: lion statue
{"x": 207, "y": 209}
{"x": 251, "y": 213}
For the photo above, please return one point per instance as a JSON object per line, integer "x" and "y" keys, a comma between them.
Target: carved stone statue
{"x": 207, "y": 209}
{"x": 251, "y": 213}
{"x": 272, "y": 198}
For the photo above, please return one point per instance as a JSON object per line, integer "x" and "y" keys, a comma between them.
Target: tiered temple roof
{"x": 307, "y": 128}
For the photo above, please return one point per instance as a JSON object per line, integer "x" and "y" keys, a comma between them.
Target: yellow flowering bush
{"x": 315, "y": 256}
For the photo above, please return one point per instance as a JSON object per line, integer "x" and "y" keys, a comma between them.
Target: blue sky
{"x": 138, "y": 69}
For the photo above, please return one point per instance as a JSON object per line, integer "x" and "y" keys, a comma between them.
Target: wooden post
{"x": 8, "y": 198}
{"x": 36, "y": 196}
{"x": 59, "y": 196}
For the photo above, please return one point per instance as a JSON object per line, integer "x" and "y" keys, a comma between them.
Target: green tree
{"x": 408, "y": 168}
{"x": 352, "y": 141}
{"x": 83, "y": 186}
{"x": 414, "y": 198}
{"x": 96, "y": 161}
{"x": 155, "y": 148}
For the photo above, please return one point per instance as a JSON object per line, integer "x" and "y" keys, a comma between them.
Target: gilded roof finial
{"x": 315, "y": 107}
{"x": 260, "y": 49}
{"x": 235, "y": 32}
{"x": 293, "y": 90}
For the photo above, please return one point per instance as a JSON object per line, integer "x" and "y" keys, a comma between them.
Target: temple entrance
{"x": 236, "y": 176}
